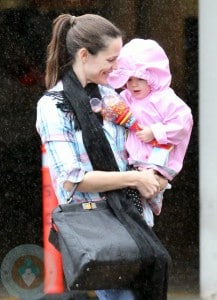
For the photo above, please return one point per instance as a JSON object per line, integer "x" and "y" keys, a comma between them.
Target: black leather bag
{"x": 97, "y": 251}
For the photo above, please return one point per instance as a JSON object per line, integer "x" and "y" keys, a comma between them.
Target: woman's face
{"x": 98, "y": 67}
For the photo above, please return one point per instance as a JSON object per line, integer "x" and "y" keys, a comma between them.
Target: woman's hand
{"x": 149, "y": 183}
{"x": 162, "y": 181}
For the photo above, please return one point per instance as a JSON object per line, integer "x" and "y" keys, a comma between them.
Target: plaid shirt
{"x": 66, "y": 156}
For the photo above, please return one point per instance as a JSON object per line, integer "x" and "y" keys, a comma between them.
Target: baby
{"x": 164, "y": 121}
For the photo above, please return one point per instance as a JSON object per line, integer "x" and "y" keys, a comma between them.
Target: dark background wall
{"x": 24, "y": 34}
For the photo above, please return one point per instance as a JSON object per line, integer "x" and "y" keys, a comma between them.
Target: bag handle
{"x": 70, "y": 199}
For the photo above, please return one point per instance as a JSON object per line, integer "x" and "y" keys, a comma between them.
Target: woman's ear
{"x": 83, "y": 54}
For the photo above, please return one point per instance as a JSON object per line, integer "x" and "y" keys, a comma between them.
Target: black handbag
{"x": 97, "y": 251}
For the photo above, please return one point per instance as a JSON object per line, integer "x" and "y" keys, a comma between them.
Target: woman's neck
{"x": 78, "y": 69}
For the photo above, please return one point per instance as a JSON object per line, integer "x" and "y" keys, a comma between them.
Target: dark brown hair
{"x": 72, "y": 33}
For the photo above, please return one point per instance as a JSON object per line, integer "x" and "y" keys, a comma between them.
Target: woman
{"x": 82, "y": 52}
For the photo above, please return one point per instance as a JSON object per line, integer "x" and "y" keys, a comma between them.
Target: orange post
{"x": 53, "y": 272}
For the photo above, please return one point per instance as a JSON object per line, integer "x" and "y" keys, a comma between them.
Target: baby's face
{"x": 138, "y": 87}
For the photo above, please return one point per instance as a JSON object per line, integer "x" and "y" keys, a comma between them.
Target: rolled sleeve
{"x": 63, "y": 163}
{"x": 67, "y": 157}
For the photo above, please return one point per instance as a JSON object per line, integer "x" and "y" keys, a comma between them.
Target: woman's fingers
{"x": 162, "y": 181}
{"x": 148, "y": 184}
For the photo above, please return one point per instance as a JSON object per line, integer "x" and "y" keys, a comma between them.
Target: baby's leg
{"x": 156, "y": 203}
{"x": 147, "y": 213}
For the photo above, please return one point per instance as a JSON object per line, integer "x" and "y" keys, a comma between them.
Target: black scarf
{"x": 153, "y": 282}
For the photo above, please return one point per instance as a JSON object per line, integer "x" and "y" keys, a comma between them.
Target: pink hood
{"x": 144, "y": 59}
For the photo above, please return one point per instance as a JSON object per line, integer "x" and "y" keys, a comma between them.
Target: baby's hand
{"x": 146, "y": 135}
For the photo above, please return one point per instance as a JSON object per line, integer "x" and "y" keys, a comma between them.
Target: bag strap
{"x": 70, "y": 199}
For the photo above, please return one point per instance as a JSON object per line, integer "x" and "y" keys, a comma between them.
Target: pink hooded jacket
{"x": 162, "y": 110}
